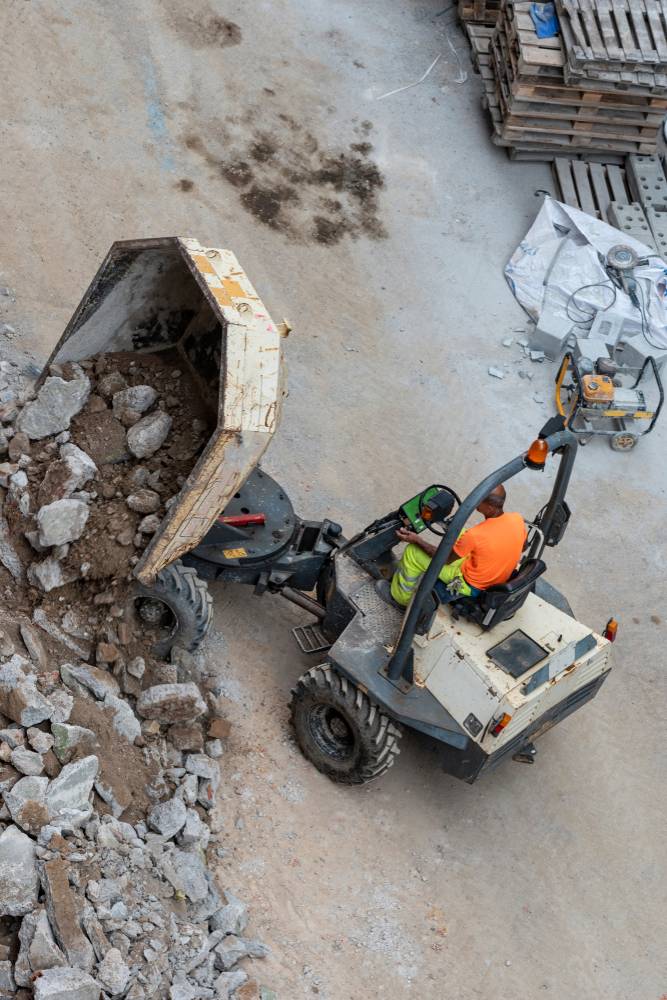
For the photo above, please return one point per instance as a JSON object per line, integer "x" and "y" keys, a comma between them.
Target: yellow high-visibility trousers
{"x": 413, "y": 564}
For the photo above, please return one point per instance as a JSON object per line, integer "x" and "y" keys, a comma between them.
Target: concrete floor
{"x": 122, "y": 120}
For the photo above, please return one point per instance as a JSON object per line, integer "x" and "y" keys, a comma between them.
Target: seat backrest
{"x": 504, "y": 600}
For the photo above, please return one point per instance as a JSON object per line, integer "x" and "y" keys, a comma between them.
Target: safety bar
{"x": 564, "y": 441}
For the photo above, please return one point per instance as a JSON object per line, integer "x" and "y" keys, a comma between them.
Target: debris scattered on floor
{"x": 109, "y": 757}
{"x": 496, "y": 372}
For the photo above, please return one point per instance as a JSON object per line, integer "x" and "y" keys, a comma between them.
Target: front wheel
{"x": 177, "y": 607}
{"x": 340, "y": 730}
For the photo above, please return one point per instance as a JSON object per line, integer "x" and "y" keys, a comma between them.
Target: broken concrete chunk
{"x": 40, "y": 741}
{"x": 232, "y": 918}
{"x": 64, "y": 909}
{"x": 95, "y": 933}
{"x": 167, "y": 818}
{"x": 81, "y": 466}
{"x": 61, "y": 521}
{"x": 22, "y": 967}
{"x": 20, "y": 700}
{"x": 187, "y": 873}
{"x": 27, "y": 761}
{"x": 194, "y": 832}
{"x": 26, "y": 801}
{"x": 49, "y": 574}
{"x": 232, "y": 949}
{"x": 138, "y": 397}
{"x": 110, "y": 384}
{"x": 8, "y": 554}
{"x": 228, "y": 982}
{"x": 171, "y": 702}
{"x": 56, "y": 403}
{"x": 125, "y": 721}
{"x": 113, "y": 973}
{"x": 202, "y": 766}
{"x": 43, "y": 952}
{"x": 63, "y": 703}
{"x": 149, "y": 524}
{"x": 149, "y": 434}
{"x": 66, "y": 984}
{"x": 71, "y": 740}
{"x": 7, "y": 981}
{"x": 187, "y": 737}
{"x": 137, "y": 667}
{"x": 19, "y": 881}
{"x": 40, "y": 618}
{"x": 33, "y": 644}
{"x": 68, "y": 795}
{"x": 84, "y": 679}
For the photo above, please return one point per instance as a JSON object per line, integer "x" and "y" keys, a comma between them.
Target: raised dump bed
{"x": 195, "y": 307}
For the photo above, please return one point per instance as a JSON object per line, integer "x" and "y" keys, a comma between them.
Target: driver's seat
{"x": 499, "y": 603}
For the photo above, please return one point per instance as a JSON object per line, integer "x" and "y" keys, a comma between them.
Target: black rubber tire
{"x": 187, "y": 597}
{"x": 366, "y": 744}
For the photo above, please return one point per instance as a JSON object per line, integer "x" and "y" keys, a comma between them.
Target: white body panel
{"x": 452, "y": 662}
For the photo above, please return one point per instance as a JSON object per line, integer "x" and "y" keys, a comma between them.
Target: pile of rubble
{"x": 109, "y": 758}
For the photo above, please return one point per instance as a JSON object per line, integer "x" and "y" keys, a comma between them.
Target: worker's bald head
{"x": 492, "y": 505}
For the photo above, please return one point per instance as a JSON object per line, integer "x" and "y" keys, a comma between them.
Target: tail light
{"x": 500, "y": 724}
{"x": 610, "y": 630}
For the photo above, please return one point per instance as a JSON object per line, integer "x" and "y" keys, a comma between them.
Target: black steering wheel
{"x": 422, "y": 508}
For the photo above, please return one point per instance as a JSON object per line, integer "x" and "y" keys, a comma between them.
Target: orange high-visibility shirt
{"x": 491, "y": 550}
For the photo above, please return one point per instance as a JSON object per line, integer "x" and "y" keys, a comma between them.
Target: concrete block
{"x": 633, "y": 351}
{"x": 590, "y": 348}
{"x": 657, "y": 220}
{"x": 632, "y": 221}
{"x": 551, "y": 334}
{"x": 647, "y": 182}
{"x": 610, "y": 327}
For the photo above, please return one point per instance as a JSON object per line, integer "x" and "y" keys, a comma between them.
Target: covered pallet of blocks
{"x": 539, "y": 110}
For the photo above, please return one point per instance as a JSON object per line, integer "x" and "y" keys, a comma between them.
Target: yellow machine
{"x": 598, "y": 403}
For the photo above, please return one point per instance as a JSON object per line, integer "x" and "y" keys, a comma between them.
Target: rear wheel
{"x": 623, "y": 441}
{"x": 177, "y": 607}
{"x": 340, "y": 730}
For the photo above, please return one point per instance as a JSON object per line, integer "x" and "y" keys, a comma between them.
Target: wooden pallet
{"x": 622, "y": 41}
{"x": 484, "y": 12}
{"x": 479, "y": 36}
{"x": 590, "y": 187}
{"x": 628, "y": 34}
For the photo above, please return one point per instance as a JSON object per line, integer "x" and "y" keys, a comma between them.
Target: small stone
{"x": 72, "y": 740}
{"x": 19, "y": 445}
{"x": 167, "y": 818}
{"x": 125, "y": 537}
{"x": 34, "y": 645}
{"x": 171, "y": 702}
{"x": 49, "y": 574}
{"x": 149, "y": 434}
{"x": 62, "y": 521}
{"x": 125, "y": 721}
{"x": 232, "y": 949}
{"x": 27, "y": 761}
{"x": 219, "y": 729}
{"x": 508, "y": 341}
{"x": 214, "y": 748}
{"x": 202, "y": 766}
{"x": 40, "y": 741}
{"x": 19, "y": 881}
{"x": 110, "y": 384}
{"x": 137, "y": 397}
{"x": 537, "y": 355}
{"x": 231, "y": 918}
{"x": 113, "y": 973}
{"x": 56, "y": 403}
{"x": 43, "y": 952}
{"x": 20, "y": 700}
{"x": 7, "y": 470}
{"x": 106, "y": 652}
{"x": 137, "y": 667}
{"x": 496, "y": 372}
{"x": 68, "y": 795}
{"x": 187, "y": 737}
{"x": 187, "y": 874}
{"x": 40, "y": 618}
{"x": 6, "y": 645}
{"x": 84, "y": 678}
{"x": 194, "y": 831}
{"x": 228, "y": 983}
{"x": 144, "y": 501}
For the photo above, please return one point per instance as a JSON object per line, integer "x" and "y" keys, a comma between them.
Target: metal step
{"x": 310, "y": 638}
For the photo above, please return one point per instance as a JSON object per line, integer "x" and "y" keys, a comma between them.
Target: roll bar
{"x": 563, "y": 442}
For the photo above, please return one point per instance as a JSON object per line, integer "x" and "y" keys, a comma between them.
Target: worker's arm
{"x": 411, "y": 536}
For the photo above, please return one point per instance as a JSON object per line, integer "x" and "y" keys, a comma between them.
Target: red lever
{"x": 242, "y": 520}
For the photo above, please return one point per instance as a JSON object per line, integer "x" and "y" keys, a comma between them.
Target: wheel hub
{"x": 151, "y": 611}
{"x": 332, "y": 732}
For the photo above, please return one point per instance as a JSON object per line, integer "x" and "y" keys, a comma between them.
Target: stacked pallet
{"x": 479, "y": 11}
{"x": 538, "y": 114}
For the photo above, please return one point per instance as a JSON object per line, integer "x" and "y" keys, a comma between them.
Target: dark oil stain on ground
{"x": 185, "y": 184}
{"x": 288, "y": 182}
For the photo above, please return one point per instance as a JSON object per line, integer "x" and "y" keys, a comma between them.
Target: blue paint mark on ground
{"x": 157, "y": 122}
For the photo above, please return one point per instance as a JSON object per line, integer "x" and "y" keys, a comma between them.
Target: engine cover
{"x": 597, "y": 389}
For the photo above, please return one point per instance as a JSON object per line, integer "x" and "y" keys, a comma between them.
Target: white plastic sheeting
{"x": 559, "y": 255}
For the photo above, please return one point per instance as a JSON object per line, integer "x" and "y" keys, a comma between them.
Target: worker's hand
{"x": 405, "y": 535}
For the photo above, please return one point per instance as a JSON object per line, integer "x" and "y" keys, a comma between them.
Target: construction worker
{"x": 483, "y": 556}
